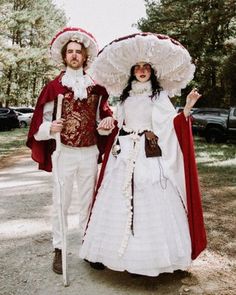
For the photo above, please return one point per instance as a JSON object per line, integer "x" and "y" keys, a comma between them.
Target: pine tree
{"x": 202, "y": 26}
{"x": 27, "y": 27}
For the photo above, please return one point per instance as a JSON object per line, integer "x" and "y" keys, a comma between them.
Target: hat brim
{"x": 170, "y": 60}
{"x": 78, "y": 35}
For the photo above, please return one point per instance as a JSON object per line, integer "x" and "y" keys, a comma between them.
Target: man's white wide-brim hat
{"x": 74, "y": 34}
{"x": 170, "y": 60}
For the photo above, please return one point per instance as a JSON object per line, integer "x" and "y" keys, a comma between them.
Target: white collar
{"x": 140, "y": 88}
{"x": 77, "y": 81}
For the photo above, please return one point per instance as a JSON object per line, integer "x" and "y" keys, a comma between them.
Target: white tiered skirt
{"x": 161, "y": 240}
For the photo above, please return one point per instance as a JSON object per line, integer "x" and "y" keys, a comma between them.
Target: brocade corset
{"x": 80, "y": 120}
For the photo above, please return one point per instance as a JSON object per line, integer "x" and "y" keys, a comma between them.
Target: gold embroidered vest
{"x": 80, "y": 120}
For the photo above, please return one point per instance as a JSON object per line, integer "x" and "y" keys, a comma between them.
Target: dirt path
{"x": 26, "y": 251}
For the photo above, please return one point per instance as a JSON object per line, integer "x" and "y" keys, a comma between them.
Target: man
{"x": 84, "y": 105}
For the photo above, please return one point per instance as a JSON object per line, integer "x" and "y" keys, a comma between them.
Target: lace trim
{"x": 140, "y": 88}
{"x": 130, "y": 130}
{"x": 127, "y": 190}
{"x": 78, "y": 82}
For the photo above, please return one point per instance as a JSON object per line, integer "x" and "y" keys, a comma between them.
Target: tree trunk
{"x": 9, "y": 76}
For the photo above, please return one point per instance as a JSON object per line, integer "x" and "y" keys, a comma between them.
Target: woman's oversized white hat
{"x": 74, "y": 34}
{"x": 170, "y": 60}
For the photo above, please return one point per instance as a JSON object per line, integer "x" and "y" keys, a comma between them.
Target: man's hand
{"x": 57, "y": 126}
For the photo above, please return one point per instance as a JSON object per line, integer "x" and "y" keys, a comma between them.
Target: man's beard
{"x": 75, "y": 64}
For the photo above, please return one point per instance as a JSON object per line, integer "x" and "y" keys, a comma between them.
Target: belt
{"x": 123, "y": 132}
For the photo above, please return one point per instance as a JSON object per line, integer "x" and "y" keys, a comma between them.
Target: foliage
{"x": 203, "y": 27}
{"x": 229, "y": 71}
{"x": 27, "y": 27}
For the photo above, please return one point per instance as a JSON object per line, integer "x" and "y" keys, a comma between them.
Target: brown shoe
{"x": 57, "y": 262}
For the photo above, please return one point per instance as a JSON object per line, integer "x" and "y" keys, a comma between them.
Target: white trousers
{"x": 79, "y": 164}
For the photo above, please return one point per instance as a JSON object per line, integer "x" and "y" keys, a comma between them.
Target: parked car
{"x": 211, "y": 111}
{"x": 24, "y": 110}
{"x": 24, "y": 119}
{"x": 216, "y": 125}
{"x": 8, "y": 119}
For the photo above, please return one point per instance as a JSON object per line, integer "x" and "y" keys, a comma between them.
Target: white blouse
{"x": 138, "y": 112}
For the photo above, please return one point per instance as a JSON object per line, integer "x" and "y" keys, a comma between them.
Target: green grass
{"x": 11, "y": 141}
{"x": 217, "y": 170}
{"x": 212, "y": 163}
{"x": 221, "y": 152}
{"x": 217, "y": 177}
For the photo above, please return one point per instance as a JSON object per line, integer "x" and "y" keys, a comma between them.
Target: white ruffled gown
{"x": 160, "y": 241}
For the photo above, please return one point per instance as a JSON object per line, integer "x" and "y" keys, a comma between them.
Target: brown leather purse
{"x": 152, "y": 150}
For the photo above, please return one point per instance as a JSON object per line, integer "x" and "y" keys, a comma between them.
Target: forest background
{"x": 207, "y": 28}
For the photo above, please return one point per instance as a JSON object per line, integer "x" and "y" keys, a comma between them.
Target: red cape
{"x": 42, "y": 150}
{"x": 195, "y": 215}
{"x": 183, "y": 130}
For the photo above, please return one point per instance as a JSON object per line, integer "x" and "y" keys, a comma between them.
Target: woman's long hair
{"x": 156, "y": 88}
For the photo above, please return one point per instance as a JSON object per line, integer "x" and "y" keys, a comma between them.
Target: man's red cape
{"x": 41, "y": 151}
{"x": 195, "y": 215}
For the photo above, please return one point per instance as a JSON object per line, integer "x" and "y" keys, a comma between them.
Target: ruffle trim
{"x": 171, "y": 62}
{"x": 75, "y": 80}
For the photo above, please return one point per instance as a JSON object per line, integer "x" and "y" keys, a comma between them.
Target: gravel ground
{"x": 26, "y": 250}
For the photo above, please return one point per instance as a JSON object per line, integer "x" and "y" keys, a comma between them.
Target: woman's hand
{"x": 57, "y": 126}
{"x": 106, "y": 124}
{"x": 191, "y": 99}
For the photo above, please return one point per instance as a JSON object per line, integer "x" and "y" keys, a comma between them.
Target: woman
{"x": 142, "y": 220}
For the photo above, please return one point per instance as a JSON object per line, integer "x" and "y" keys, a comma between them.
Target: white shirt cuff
{"x": 105, "y": 132}
{"x": 44, "y": 132}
